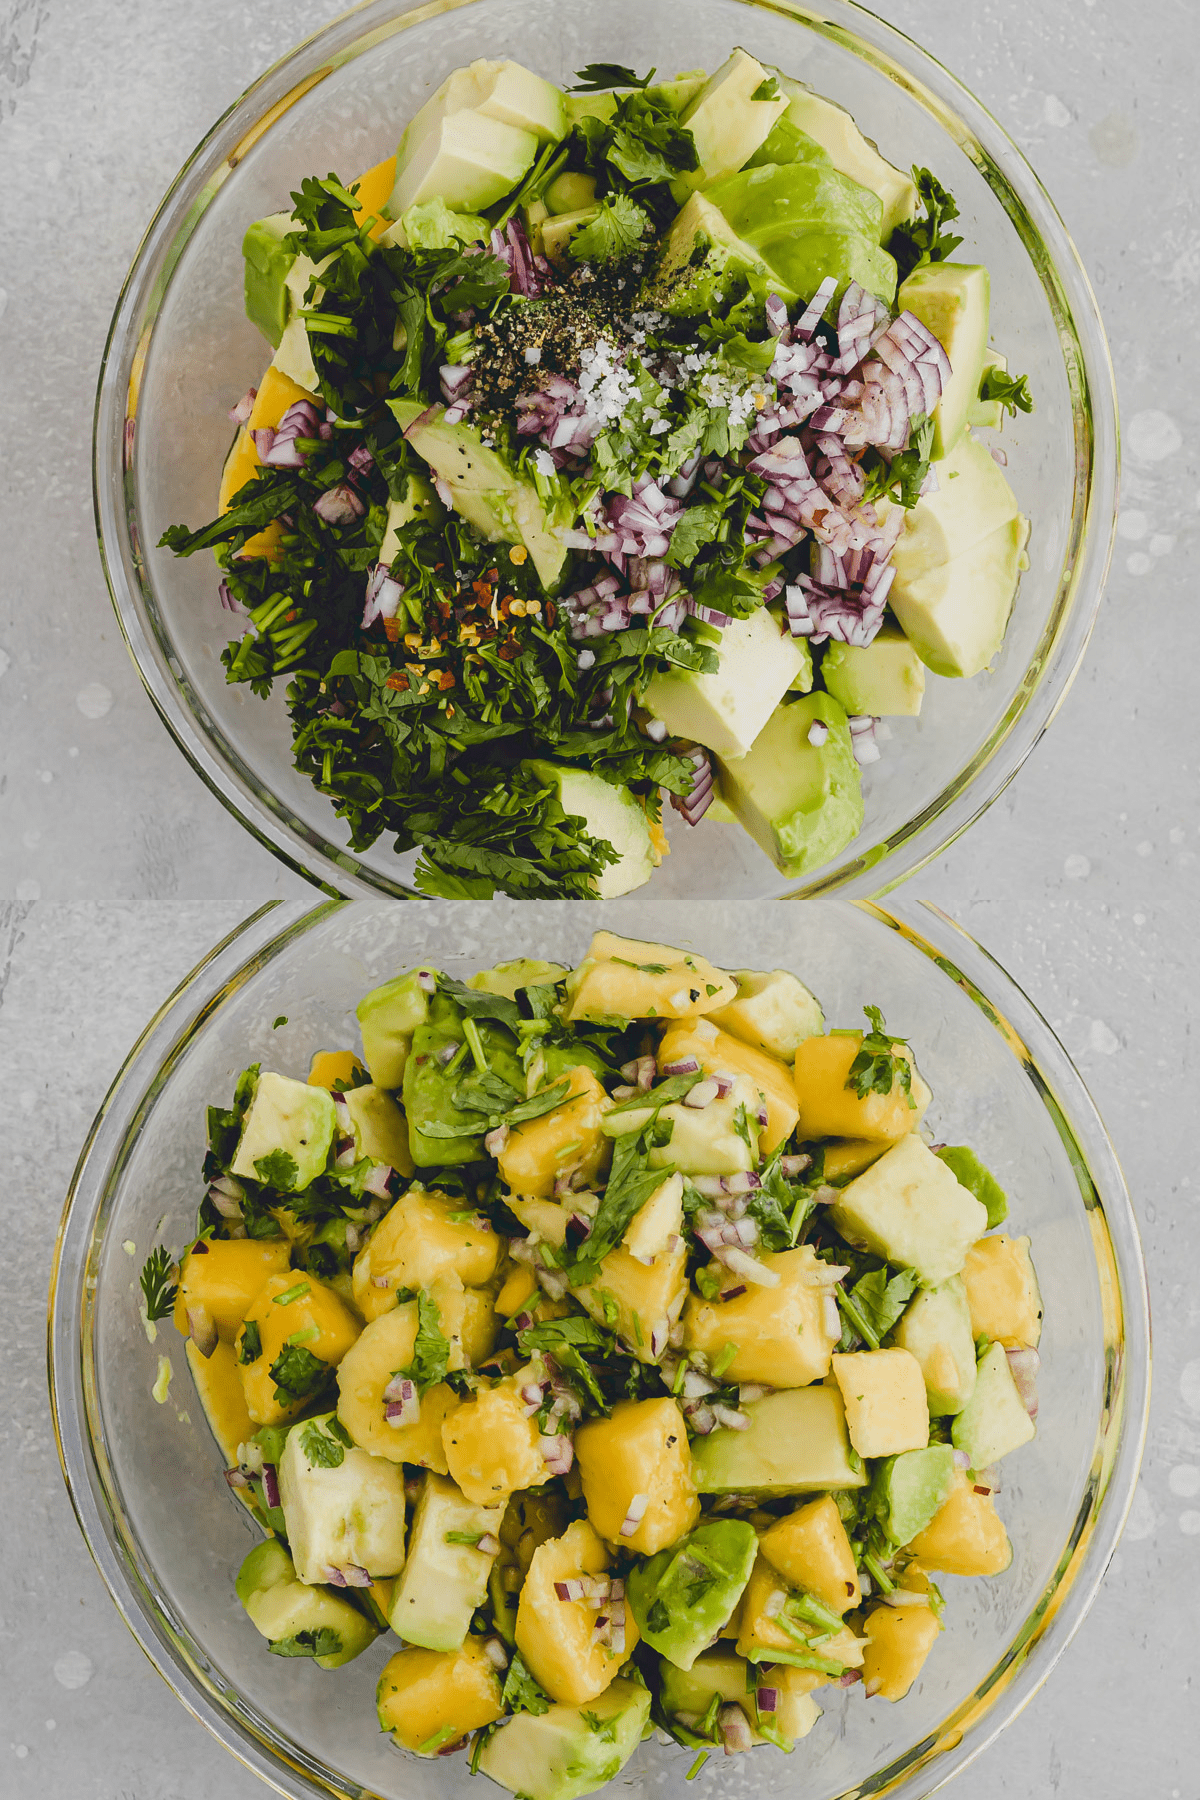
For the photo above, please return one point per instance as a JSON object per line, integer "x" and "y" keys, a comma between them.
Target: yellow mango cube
{"x": 625, "y": 978}
{"x": 850, "y": 1156}
{"x": 291, "y": 1311}
{"x": 219, "y": 1384}
{"x": 565, "y": 1141}
{"x": 416, "y": 1242}
{"x": 429, "y": 1699}
{"x": 1002, "y": 1292}
{"x": 636, "y": 1462}
{"x": 887, "y": 1410}
{"x": 966, "y": 1535}
{"x": 556, "y": 1637}
{"x": 491, "y": 1443}
{"x": 781, "y": 1334}
{"x": 639, "y": 1301}
{"x": 828, "y": 1107}
{"x": 722, "y": 1054}
{"x": 898, "y": 1639}
{"x": 520, "y": 1287}
{"x": 761, "y": 1636}
{"x": 372, "y": 192}
{"x": 330, "y": 1066}
{"x": 810, "y": 1550}
{"x": 222, "y": 1276}
{"x": 384, "y": 1347}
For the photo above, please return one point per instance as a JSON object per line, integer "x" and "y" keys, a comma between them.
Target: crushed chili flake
{"x": 391, "y": 630}
{"x": 397, "y": 682}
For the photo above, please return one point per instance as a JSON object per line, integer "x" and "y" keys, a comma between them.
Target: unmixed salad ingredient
{"x": 615, "y": 1337}
{"x": 615, "y": 445}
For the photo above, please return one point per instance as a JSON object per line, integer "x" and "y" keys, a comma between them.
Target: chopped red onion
{"x": 683, "y": 1065}
{"x": 734, "y": 1728}
{"x": 847, "y": 1678}
{"x": 495, "y": 1141}
{"x": 489, "y": 1543}
{"x": 702, "y": 1094}
{"x": 791, "y": 1166}
{"x": 427, "y": 981}
{"x": 202, "y": 1330}
{"x": 557, "y": 1451}
{"x": 270, "y": 1481}
{"x": 569, "y": 1590}
{"x": 383, "y": 596}
{"x": 961, "y": 1460}
{"x": 238, "y": 1477}
{"x": 339, "y": 505}
{"x": 730, "y": 1418}
{"x": 767, "y": 1699}
{"x": 1023, "y": 1366}
{"x": 496, "y": 1653}
{"x": 635, "y": 1515}
{"x": 245, "y": 406}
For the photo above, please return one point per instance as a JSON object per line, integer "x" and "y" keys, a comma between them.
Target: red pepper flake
{"x": 550, "y": 611}
{"x": 397, "y": 682}
{"x": 391, "y": 630}
{"x": 482, "y": 592}
{"x": 982, "y": 1490}
{"x": 508, "y": 652}
{"x": 446, "y": 679}
{"x": 493, "y": 574}
{"x": 290, "y": 615}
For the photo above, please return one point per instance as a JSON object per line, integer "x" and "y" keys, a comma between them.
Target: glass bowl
{"x": 180, "y": 352}
{"x": 145, "y": 1479}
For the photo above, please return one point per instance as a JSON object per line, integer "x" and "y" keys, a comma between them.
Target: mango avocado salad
{"x": 617, "y": 1339}
{"x": 616, "y": 446}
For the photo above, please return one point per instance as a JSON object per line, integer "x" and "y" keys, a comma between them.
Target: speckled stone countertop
{"x": 118, "y": 870}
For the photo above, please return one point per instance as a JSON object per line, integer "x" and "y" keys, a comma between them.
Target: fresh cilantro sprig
{"x": 325, "y": 1442}
{"x": 878, "y": 1066}
{"x": 616, "y": 232}
{"x": 902, "y": 478}
{"x": 1011, "y": 391}
{"x": 522, "y": 1692}
{"x": 298, "y": 1374}
{"x": 875, "y": 1304}
{"x": 431, "y": 1350}
{"x": 924, "y": 239}
{"x": 597, "y": 77}
{"x": 157, "y": 1283}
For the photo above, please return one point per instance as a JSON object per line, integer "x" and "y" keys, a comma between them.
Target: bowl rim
{"x": 1108, "y": 1488}
{"x": 875, "y": 869}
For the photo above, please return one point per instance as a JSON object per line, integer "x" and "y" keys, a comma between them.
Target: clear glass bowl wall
{"x": 146, "y": 1478}
{"x": 181, "y": 352}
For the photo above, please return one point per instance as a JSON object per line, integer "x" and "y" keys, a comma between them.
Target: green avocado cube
{"x": 298, "y": 1620}
{"x": 936, "y": 1329}
{"x": 508, "y": 978}
{"x": 798, "y": 791}
{"x": 808, "y": 222}
{"x": 796, "y": 1443}
{"x": 907, "y": 1490}
{"x": 569, "y": 1751}
{"x": 267, "y": 266}
{"x": 289, "y": 1119}
{"x": 387, "y": 1018}
{"x": 833, "y": 129}
{"x": 994, "y": 1420}
{"x": 702, "y": 264}
{"x": 727, "y": 709}
{"x": 885, "y": 678}
{"x": 967, "y": 1169}
{"x": 439, "y": 1129}
{"x": 343, "y": 1508}
{"x": 611, "y": 814}
{"x": 952, "y": 301}
{"x": 445, "y": 1577}
{"x": 683, "y": 1596}
{"x": 909, "y": 1209}
{"x": 727, "y": 122}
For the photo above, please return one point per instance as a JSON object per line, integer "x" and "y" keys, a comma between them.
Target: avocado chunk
{"x": 558, "y": 231}
{"x": 464, "y": 158}
{"x": 568, "y": 1751}
{"x": 678, "y": 92}
{"x": 800, "y": 800}
{"x": 936, "y": 1330}
{"x": 702, "y": 264}
{"x": 796, "y": 1443}
{"x": 683, "y": 1596}
{"x": 952, "y": 301}
{"x": 773, "y": 1011}
{"x": 729, "y": 1677}
{"x": 726, "y": 122}
{"x": 343, "y": 1508}
{"x": 420, "y": 502}
{"x": 994, "y": 1420}
{"x": 505, "y": 508}
{"x": 297, "y": 1620}
{"x": 439, "y": 1131}
{"x": 570, "y": 192}
{"x": 833, "y": 129}
{"x": 909, "y": 1209}
{"x": 612, "y": 815}
{"x": 907, "y": 1490}
{"x": 972, "y": 500}
{"x": 967, "y": 1168}
{"x": 446, "y": 1575}
{"x": 505, "y": 90}
{"x": 387, "y": 1018}
{"x": 287, "y": 1117}
{"x": 726, "y": 710}
{"x": 884, "y": 678}
{"x": 508, "y": 978}
{"x": 434, "y": 226}
{"x": 379, "y": 1128}
{"x": 955, "y": 615}
{"x": 267, "y": 266}
{"x": 807, "y": 222}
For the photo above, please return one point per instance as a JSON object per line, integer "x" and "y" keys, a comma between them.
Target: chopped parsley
{"x": 521, "y": 1692}
{"x": 277, "y": 1170}
{"x": 1011, "y": 391}
{"x": 878, "y": 1068}
{"x": 157, "y": 1283}
{"x": 298, "y": 1375}
{"x": 924, "y": 239}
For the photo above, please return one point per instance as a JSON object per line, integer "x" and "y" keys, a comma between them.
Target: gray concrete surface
{"x": 118, "y": 870}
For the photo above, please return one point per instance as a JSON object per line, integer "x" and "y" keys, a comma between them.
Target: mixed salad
{"x": 617, "y": 1338}
{"x": 616, "y": 445}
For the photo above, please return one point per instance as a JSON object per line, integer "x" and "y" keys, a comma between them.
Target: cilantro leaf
{"x": 298, "y": 1374}
{"x": 923, "y": 240}
{"x": 477, "y": 1003}
{"x": 538, "y": 1104}
{"x": 877, "y": 1068}
{"x": 767, "y": 89}
{"x": 696, "y": 527}
{"x": 631, "y": 1182}
{"x": 1012, "y": 391}
{"x": 521, "y": 1692}
{"x": 324, "y": 1452}
{"x": 250, "y": 1347}
{"x": 597, "y": 77}
{"x": 431, "y": 1351}
{"x": 277, "y": 1170}
{"x": 615, "y": 232}
{"x": 158, "y": 1289}
{"x": 875, "y": 1303}
{"x": 903, "y": 477}
{"x": 642, "y": 144}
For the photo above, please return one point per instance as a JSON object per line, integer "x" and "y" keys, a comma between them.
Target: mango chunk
{"x": 780, "y": 1335}
{"x": 1002, "y": 1292}
{"x": 810, "y": 1549}
{"x": 966, "y": 1536}
{"x": 829, "y": 1107}
{"x": 491, "y": 1444}
{"x": 222, "y": 1276}
{"x": 898, "y": 1639}
{"x": 722, "y": 1054}
{"x": 564, "y": 1142}
{"x": 624, "y": 978}
{"x": 557, "y": 1637}
{"x": 416, "y": 1242}
{"x": 636, "y": 1463}
{"x": 291, "y": 1311}
{"x": 884, "y": 1395}
{"x": 367, "y": 1368}
{"x": 429, "y": 1699}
